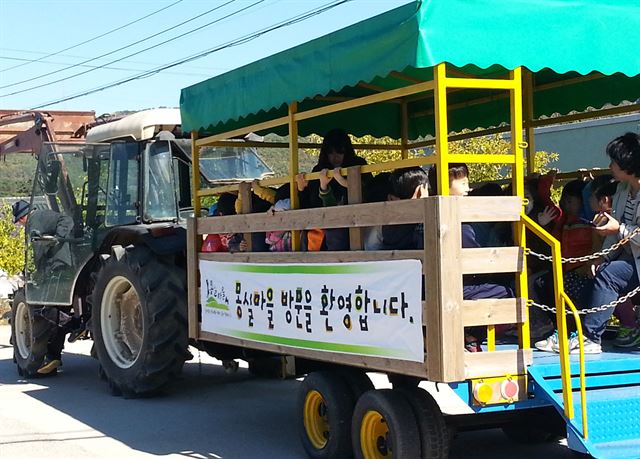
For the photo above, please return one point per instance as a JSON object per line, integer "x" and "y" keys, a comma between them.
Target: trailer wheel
{"x": 325, "y": 406}
{"x": 434, "y": 434}
{"x": 384, "y": 426}
{"x": 30, "y": 333}
{"x": 139, "y": 321}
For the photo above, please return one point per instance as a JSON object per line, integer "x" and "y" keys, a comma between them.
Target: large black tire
{"x": 139, "y": 321}
{"x": 384, "y": 425}
{"x": 434, "y": 434}
{"x": 325, "y": 406}
{"x": 30, "y": 333}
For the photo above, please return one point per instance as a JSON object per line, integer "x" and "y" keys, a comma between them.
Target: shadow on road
{"x": 210, "y": 414}
{"x": 207, "y": 413}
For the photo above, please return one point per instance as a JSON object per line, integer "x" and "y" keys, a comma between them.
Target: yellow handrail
{"x": 583, "y": 385}
{"x": 565, "y": 368}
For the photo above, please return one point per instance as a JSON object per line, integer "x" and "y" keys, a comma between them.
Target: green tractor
{"x": 116, "y": 273}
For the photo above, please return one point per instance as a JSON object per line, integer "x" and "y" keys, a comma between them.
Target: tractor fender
{"x": 161, "y": 239}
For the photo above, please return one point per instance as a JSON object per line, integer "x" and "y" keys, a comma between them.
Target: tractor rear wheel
{"x": 30, "y": 333}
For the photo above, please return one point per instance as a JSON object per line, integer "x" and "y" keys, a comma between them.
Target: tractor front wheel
{"x": 139, "y": 321}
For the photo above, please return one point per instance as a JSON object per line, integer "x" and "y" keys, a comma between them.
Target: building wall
{"x": 582, "y": 145}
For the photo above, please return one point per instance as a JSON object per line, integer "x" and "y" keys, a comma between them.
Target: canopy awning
{"x": 583, "y": 53}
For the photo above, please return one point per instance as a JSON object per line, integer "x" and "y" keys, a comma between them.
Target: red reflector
{"x": 509, "y": 389}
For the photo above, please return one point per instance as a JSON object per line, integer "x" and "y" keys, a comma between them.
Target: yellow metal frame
{"x": 583, "y": 382}
{"x": 561, "y": 300}
{"x": 519, "y": 86}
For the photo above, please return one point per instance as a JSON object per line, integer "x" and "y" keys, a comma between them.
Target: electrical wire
{"x": 123, "y": 69}
{"x": 75, "y": 56}
{"x": 244, "y": 39}
{"x": 113, "y": 52}
{"x": 96, "y": 37}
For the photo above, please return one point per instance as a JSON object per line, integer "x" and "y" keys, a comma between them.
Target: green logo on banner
{"x": 213, "y": 303}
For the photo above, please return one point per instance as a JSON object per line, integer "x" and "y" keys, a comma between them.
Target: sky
{"x": 33, "y": 30}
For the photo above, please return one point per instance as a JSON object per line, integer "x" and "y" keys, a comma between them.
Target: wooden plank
{"x": 493, "y": 311}
{"x": 370, "y": 363}
{"x": 367, "y": 100}
{"x": 492, "y": 260}
{"x": 314, "y": 257}
{"x": 246, "y": 201}
{"x": 193, "y": 247}
{"x": 195, "y": 176}
{"x": 490, "y": 208}
{"x": 242, "y": 131}
{"x": 443, "y": 315}
{"x": 499, "y": 363}
{"x": 354, "y": 193}
{"x": 293, "y": 170}
{"x": 372, "y": 214}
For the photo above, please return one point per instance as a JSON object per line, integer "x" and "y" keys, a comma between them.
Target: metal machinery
{"x": 120, "y": 271}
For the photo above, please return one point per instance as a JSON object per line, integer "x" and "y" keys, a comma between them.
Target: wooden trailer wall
{"x": 444, "y": 262}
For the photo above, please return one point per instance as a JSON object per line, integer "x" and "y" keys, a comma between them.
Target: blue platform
{"x": 613, "y": 400}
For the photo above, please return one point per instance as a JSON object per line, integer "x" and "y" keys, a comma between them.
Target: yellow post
{"x": 195, "y": 155}
{"x": 563, "y": 339}
{"x": 442, "y": 130}
{"x": 517, "y": 172}
{"x": 583, "y": 382}
{"x": 293, "y": 169}
{"x": 560, "y": 311}
{"x": 528, "y": 111}
{"x": 404, "y": 120}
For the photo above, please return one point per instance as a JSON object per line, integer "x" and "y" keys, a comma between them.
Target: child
{"x": 336, "y": 152}
{"x": 407, "y": 183}
{"x": 279, "y": 241}
{"x": 228, "y": 242}
{"x": 475, "y": 287}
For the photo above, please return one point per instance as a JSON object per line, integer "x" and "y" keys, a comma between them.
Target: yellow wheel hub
{"x": 374, "y": 436}
{"x": 316, "y": 422}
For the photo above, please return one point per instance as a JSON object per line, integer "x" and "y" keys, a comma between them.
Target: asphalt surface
{"x": 207, "y": 414}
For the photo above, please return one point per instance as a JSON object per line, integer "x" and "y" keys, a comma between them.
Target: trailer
{"x": 424, "y": 69}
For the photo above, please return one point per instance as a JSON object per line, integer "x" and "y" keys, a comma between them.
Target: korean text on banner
{"x": 369, "y": 308}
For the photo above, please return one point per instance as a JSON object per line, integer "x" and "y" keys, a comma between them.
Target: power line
{"x": 109, "y": 53}
{"x": 94, "y": 38}
{"x": 124, "y": 69}
{"x": 74, "y": 56}
{"x": 236, "y": 42}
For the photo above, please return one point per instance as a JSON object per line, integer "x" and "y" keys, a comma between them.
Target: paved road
{"x": 208, "y": 415}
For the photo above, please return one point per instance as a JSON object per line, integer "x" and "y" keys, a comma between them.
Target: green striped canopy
{"x": 583, "y": 53}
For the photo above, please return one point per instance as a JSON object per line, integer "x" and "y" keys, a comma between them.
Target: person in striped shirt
{"x": 617, "y": 273}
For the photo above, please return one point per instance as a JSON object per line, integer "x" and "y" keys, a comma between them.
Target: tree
{"x": 496, "y": 145}
{"x": 11, "y": 243}
{"x": 485, "y": 145}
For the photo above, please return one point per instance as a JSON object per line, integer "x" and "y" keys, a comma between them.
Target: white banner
{"x": 370, "y": 308}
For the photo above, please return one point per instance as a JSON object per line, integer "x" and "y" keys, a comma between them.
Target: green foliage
{"x": 11, "y": 243}
{"x": 17, "y": 171}
{"x": 372, "y": 156}
{"x": 496, "y": 145}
